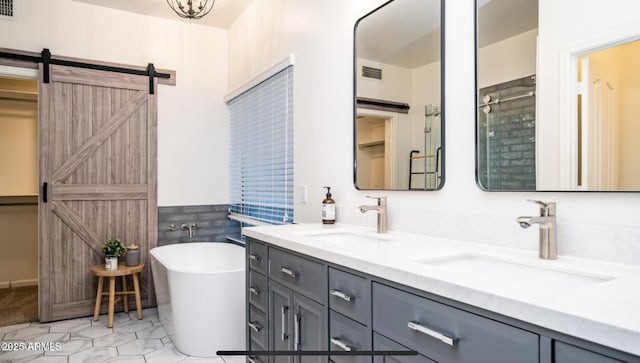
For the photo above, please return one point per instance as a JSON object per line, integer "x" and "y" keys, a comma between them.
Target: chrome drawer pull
{"x": 254, "y": 257}
{"x": 285, "y": 270}
{"x": 254, "y": 290}
{"x": 253, "y": 359}
{"x": 432, "y": 333}
{"x": 284, "y": 310}
{"x": 341, "y": 295}
{"x": 255, "y": 326}
{"x": 339, "y": 343}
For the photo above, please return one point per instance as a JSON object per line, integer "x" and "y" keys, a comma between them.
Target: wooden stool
{"x": 124, "y": 271}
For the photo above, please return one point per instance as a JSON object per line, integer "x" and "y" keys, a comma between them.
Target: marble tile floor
{"x": 84, "y": 340}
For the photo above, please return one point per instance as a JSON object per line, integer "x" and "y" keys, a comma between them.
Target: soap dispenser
{"x": 328, "y": 208}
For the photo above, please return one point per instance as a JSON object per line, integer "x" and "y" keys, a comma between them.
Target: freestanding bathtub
{"x": 200, "y": 294}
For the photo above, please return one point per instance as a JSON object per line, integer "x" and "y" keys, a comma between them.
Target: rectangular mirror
{"x": 557, "y": 96}
{"x": 398, "y": 115}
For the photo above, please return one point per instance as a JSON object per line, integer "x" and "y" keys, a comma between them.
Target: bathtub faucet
{"x": 190, "y": 228}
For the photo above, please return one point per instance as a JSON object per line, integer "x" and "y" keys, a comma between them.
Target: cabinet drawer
{"x": 255, "y": 347}
{"x": 298, "y": 273}
{"x": 349, "y": 294}
{"x": 566, "y": 353}
{"x": 258, "y": 293}
{"x": 347, "y": 334}
{"x": 257, "y": 256}
{"x": 382, "y": 343}
{"x": 257, "y": 326}
{"x": 425, "y": 326}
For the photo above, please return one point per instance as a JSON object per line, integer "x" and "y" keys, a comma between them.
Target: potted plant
{"x": 112, "y": 249}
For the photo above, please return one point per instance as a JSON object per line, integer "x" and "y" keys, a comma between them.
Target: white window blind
{"x": 262, "y": 150}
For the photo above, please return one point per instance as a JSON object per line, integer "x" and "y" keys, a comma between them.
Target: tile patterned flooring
{"x": 84, "y": 340}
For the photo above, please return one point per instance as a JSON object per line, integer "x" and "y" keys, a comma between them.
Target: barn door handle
{"x": 45, "y": 191}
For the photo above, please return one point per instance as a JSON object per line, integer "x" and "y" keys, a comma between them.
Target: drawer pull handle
{"x": 255, "y": 326}
{"x": 283, "y": 311}
{"x": 254, "y": 257}
{"x": 339, "y": 343}
{"x": 341, "y": 295}
{"x": 296, "y": 331}
{"x": 432, "y": 333}
{"x": 253, "y": 359}
{"x": 286, "y": 271}
{"x": 254, "y": 290}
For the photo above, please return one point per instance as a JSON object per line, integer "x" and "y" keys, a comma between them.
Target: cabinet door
{"x": 310, "y": 322}
{"x": 280, "y": 321}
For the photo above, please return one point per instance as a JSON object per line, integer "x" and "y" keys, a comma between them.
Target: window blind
{"x": 261, "y": 157}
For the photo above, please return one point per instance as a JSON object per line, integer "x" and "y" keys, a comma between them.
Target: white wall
{"x": 192, "y": 118}
{"x": 19, "y": 245}
{"x": 508, "y": 59}
{"x": 320, "y": 34}
{"x": 18, "y": 147}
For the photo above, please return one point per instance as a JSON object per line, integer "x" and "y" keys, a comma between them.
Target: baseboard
{"x": 5, "y": 284}
{"x": 20, "y": 283}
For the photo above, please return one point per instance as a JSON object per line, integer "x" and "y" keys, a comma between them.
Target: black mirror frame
{"x": 442, "y": 100}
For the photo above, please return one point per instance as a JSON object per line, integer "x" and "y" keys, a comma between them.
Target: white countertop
{"x": 606, "y": 312}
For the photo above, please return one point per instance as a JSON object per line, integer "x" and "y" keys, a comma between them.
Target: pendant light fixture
{"x": 187, "y": 9}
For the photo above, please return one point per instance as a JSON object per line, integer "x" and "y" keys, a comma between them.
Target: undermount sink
{"x": 346, "y": 237}
{"x": 509, "y": 277}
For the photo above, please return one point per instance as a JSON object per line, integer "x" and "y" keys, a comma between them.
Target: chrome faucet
{"x": 190, "y": 228}
{"x": 548, "y": 228}
{"x": 381, "y": 208}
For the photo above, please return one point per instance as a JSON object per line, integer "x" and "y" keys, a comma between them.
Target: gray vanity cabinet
{"x": 287, "y": 304}
{"x": 447, "y": 334}
{"x": 383, "y": 343}
{"x": 350, "y": 295}
{"x": 567, "y": 353}
{"x": 316, "y": 305}
{"x": 297, "y": 323}
{"x": 257, "y": 313}
{"x": 280, "y": 323}
{"x": 348, "y": 335}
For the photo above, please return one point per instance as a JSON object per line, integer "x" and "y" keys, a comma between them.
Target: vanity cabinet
{"x": 286, "y": 304}
{"x": 298, "y": 323}
{"x": 257, "y": 336}
{"x": 298, "y": 302}
{"x": 567, "y": 353}
{"x": 447, "y": 334}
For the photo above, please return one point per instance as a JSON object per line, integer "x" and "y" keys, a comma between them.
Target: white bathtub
{"x": 200, "y": 294}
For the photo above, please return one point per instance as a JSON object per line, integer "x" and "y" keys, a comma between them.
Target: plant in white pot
{"x": 112, "y": 249}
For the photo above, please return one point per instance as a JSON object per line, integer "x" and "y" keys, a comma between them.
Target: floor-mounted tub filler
{"x": 200, "y": 294}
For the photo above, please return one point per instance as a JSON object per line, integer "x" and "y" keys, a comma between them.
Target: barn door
{"x": 97, "y": 138}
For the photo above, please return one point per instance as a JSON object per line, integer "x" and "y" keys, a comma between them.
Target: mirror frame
{"x": 442, "y": 102}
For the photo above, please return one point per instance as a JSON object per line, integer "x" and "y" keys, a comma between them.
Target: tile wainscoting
{"x": 214, "y": 226}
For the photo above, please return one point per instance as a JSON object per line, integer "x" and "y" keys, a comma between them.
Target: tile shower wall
{"x": 214, "y": 226}
{"x": 506, "y": 140}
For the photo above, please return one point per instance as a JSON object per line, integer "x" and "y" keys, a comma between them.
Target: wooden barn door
{"x": 97, "y": 137}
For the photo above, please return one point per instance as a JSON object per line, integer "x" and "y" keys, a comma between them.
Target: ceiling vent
{"x": 6, "y": 9}
{"x": 370, "y": 72}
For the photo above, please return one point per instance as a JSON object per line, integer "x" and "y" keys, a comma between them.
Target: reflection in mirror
{"x": 398, "y": 121}
{"x": 535, "y": 129}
